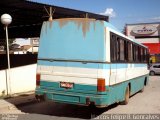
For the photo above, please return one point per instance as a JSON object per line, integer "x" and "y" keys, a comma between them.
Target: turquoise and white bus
{"x": 85, "y": 61}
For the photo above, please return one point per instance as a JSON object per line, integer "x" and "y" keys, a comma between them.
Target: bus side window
{"x": 121, "y": 50}
{"x": 133, "y": 52}
{"x": 126, "y": 50}
{"x": 130, "y": 55}
{"x": 113, "y": 48}
{"x": 142, "y": 60}
{"x": 147, "y": 56}
{"x": 118, "y": 48}
{"x": 142, "y": 55}
{"x": 139, "y": 54}
{"x": 136, "y": 53}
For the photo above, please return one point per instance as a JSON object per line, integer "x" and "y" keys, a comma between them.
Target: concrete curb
{"x": 5, "y": 105}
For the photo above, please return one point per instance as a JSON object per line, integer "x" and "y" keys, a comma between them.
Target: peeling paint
{"x": 84, "y": 23}
{"x": 50, "y": 24}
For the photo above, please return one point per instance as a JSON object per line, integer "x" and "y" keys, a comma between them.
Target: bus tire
{"x": 126, "y": 97}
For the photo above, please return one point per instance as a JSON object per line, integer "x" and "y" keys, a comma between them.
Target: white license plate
{"x": 66, "y": 85}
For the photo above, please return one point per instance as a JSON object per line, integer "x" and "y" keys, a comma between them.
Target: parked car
{"x": 155, "y": 69}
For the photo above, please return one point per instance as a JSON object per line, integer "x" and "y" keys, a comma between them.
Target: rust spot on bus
{"x": 50, "y": 24}
{"x": 84, "y": 23}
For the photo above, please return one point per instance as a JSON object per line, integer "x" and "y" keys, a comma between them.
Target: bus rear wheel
{"x": 126, "y": 97}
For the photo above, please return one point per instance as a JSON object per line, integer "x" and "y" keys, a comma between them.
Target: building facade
{"x": 147, "y": 34}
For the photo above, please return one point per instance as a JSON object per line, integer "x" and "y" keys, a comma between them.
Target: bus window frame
{"x": 115, "y": 52}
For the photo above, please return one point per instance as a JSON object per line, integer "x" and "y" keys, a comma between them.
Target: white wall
{"x": 148, "y": 40}
{"x": 22, "y": 79}
{"x": 2, "y": 81}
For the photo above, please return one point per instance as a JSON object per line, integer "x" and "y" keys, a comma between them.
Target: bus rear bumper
{"x": 99, "y": 100}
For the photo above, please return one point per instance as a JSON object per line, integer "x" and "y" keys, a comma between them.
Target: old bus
{"x": 86, "y": 61}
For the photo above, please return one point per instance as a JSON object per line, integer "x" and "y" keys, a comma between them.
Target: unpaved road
{"x": 147, "y": 102}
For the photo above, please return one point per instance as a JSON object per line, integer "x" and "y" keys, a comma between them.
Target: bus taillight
{"x": 38, "y": 77}
{"x": 101, "y": 87}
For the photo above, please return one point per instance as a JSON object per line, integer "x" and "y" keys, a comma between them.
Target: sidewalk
{"x": 8, "y": 105}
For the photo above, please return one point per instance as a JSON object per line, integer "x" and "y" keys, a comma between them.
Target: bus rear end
{"x": 70, "y": 62}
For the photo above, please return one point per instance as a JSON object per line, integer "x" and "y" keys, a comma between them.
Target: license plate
{"x": 67, "y": 85}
